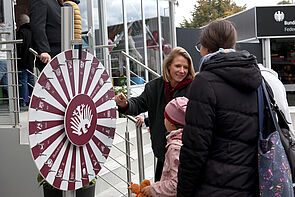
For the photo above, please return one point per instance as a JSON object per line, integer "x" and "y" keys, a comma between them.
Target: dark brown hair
{"x": 218, "y": 34}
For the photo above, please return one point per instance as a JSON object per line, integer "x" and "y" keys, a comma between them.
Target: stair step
{"x": 116, "y": 168}
{"x": 111, "y": 192}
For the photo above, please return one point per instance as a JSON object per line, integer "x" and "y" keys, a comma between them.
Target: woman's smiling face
{"x": 178, "y": 70}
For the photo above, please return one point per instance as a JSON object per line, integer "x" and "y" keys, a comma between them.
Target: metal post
{"x": 144, "y": 41}
{"x": 126, "y": 47}
{"x": 15, "y": 93}
{"x": 140, "y": 153}
{"x": 266, "y": 52}
{"x": 66, "y": 28}
{"x": 67, "y": 35}
{"x": 172, "y": 22}
{"x": 69, "y": 193}
{"x": 160, "y": 36}
{"x": 104, "y": 30}
{"x": 128, "y": 161}
{"x": 91, "y": 29}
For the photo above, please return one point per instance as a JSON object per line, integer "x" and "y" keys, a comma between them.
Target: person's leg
{"x": 31, "y": 82}
{"x": 22, "y": 79}
{"x": 3, "y": 75}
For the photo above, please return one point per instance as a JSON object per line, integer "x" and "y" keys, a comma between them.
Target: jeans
{"x": 24, "y": 77}
{"x": 3, "y": 76}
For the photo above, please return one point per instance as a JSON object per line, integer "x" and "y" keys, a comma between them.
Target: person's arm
{"x": 168, "y": 187}
{"x": 38, "y": 15}
{"x": 134, "y": 105}
{"x": 196, "y": 137}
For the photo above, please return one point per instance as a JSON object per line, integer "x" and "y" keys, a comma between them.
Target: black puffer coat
{"x": 153, "y": 100}
{"x": 219, "y": 153}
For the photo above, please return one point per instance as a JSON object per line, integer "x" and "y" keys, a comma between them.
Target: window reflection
{"x": 283, "y": 62}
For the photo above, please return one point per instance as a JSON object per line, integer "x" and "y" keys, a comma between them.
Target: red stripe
{"x": 70, "y": 66}
{"x": 72, "y": 177}
{"x": 85, "y": 179}
{"x": 41, "y": 104}
{"x": 61, "y": 170}
{"x": 101, "y": 146}
{"x": 106, "y": 97}
{"x": 108, "y": 131}
{"x": 45, "y": 168}
{"x": 103, "y": 78}
{"x": 94, "y": 160}
{"x": 59, "y": 75}
{"x": 110, "y": 113}
{"x": 93, "y": 68}
{"x": 82, "y": 64}
{"x": 36, "y": 126}
{"x": 42, "y": 146}
{"x": 44, "y": 82}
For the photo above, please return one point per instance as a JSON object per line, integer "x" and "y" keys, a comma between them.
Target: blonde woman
{"x": 178, "y": 73}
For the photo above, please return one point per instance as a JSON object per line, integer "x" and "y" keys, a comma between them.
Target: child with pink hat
{"x": 174, "y": 123}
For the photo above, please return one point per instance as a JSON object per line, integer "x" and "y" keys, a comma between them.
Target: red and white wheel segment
{"x": 72, "y": 120}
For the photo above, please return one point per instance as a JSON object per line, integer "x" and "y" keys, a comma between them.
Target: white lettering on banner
{"x": 289, "y": 29}
{"x": 289, "y": 22}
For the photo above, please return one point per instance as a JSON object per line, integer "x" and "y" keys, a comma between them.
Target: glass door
{"x": 283, "y": 62}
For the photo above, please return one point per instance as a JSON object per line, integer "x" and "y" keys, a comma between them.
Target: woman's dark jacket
{"x": 219, "y": 152}
{"x": 153, "y": 100}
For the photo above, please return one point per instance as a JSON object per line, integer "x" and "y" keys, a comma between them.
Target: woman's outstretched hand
{"x": 121, "y": 100}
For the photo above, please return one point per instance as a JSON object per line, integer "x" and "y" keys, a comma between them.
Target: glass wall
{"x": 283, "y": 62}
{"x": 115, "y": 24}
{"x": 1, "y": 12}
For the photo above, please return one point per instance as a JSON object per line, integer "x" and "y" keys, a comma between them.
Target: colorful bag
{"x": 274, "y": 169}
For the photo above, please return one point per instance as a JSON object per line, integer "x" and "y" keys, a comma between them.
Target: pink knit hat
{"x": 175, "y": 110}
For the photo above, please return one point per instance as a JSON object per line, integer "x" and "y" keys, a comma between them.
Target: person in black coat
{"x": 26, "y": 62}
{"x": 219, "y": 152}
{"x": 46, "y": 27}
{"x": 178, "y": 72}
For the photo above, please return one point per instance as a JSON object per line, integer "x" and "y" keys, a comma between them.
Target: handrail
{"x": 141, "y": 64}
{"x": 139, "y": 148}
{"x": 12, "y": 42}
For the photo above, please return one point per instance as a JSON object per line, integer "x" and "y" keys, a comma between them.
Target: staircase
{"x": 112, "y": 179}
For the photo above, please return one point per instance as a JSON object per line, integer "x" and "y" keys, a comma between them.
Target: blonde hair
{"x": 168, "y": 61}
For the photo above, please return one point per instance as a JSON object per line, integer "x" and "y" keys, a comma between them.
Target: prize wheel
{"x": 72, "y": 120}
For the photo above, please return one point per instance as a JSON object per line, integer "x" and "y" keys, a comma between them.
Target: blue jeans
{"x": 3, "y": 76}
{"x": 24, "y": 77}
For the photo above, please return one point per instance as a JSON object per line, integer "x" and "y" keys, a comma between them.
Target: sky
{"x": 186, "y": 7}
{"x": 114, "y": 9}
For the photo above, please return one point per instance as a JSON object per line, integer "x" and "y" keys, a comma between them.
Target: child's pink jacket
{"x": 167, "y": 186}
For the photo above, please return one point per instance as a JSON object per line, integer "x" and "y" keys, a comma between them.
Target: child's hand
{"x": 147, "y": 191}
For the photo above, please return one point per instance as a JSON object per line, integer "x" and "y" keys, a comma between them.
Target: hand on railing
{"x": 45, "y": 58}
{"x": 140, "y": 121}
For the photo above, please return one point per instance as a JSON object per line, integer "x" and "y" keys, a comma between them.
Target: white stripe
{"x": 91, "y": 173}
{"x": 34, "y": 139}
{"x": 76, "y": 75}
{"x": 66, "y": 175}
{"x": 64, "y": 69}
{"x": 48, "y": 152}
{"x": 105, "y": 88}
{"x": 50, "y": 74}
{"x": 95, "y": 80}
{"x": 86, "y": 71}
{"x": 42, "y": 93}
{"x": 78, "y": 184}
{"x": 51, "y": 176}
{"x": 43, "y": 116}
{"x": 97, "y": 153}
